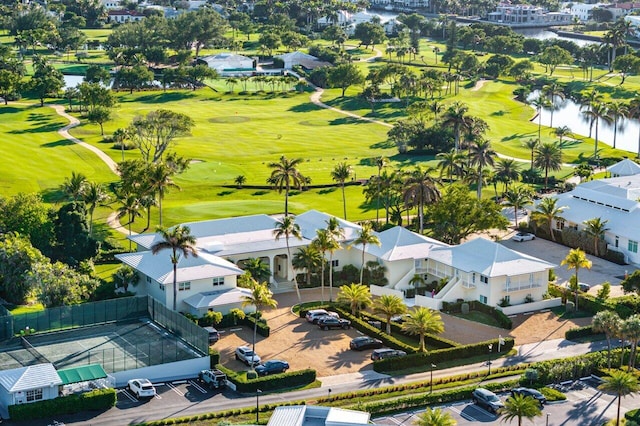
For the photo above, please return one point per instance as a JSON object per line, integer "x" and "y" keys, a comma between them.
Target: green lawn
{"x": 480, "y": 317}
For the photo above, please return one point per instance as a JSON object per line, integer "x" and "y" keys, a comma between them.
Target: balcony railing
{"x": 526, "y": 286}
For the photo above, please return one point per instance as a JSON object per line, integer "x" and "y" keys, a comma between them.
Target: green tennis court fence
{"x": 179, "y": 325}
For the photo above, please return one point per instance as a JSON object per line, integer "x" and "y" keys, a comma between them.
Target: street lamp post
{"x": 431, "y": 381}
{"x": 489, "y": 361}
{"x": 258, "y": 392}
{"x": 329, "y": 391}
{"x": 548, "y": 419}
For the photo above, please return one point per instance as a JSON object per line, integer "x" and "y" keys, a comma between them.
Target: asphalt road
{"x": 184, "y": 398}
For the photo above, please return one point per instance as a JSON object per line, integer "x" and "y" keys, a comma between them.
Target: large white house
{"x": 477, "y": 270}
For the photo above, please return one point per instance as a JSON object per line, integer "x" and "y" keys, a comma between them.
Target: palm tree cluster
{"x": 92, "y": 194}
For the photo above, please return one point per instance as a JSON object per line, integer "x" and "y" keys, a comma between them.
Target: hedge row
{"x": 423, "y": 359}
{"x": 578, "y": 332}
{"x": 430, "y": 340}
{"x": 589, "y": 303}
{"x": 214, "y": 357}
{"x": 422, "y": 400}
{"x": 475, "y": 305}
{"x": 99, "y": 399}
{"x": 263, "y": 329}
{"x": 291, "y": 379}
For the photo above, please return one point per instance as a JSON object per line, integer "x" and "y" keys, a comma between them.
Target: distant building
{"x": 25, "y": 385}
{"x": 520, "y": 15}
{"x": 584, "y": 11}
{"x": 307, "y": 415}
{"x": 111, "y": 4}
{"x": 229, "y": 64}
{"x": 123, "y": 15}
{"x": 304, "y": 60}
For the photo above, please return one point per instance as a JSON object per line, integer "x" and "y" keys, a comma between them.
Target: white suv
{"x": 246, "y": 355}
{"x": 315, "y": 314}
{"x": 141, "y": 388}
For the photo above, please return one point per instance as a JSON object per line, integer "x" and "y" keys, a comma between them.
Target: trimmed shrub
{"x": 287, "y": 380}
{"x": 578, "y": 332}
{"x": 263, "y": 328}
{"x": 475, "y": 305}
{"x": 99, "y": 399}
{"x": 214, "y": 357}
{"x": 552, "y": 394}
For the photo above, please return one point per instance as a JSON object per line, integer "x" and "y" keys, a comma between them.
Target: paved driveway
{"x": 601, "y": 271}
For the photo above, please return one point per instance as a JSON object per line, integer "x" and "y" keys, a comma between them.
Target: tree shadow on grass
{"x": 223, "y": 193}
{"x": 9, "y": 109}
{"x": 380, "y": 145}
{"x": 55, "y": 144}
{"x": 153, "y": 98}
{"x": 515, "y": 136}
{"x": 346, "y": 120}
{"x": 326, "y": 191}
{"x": 305, "y": 107}
{"x": 258, "y": 193}
{"x": 52, "y": 195}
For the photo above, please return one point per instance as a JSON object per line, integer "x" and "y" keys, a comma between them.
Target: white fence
{"x": 170, "y": 371}
{"x": 376, "y": 290}
{"x": 428, "y": 302}
{"x": 531, "y": 307}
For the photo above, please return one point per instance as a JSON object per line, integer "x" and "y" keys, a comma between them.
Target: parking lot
{"x": 171, "y": 393}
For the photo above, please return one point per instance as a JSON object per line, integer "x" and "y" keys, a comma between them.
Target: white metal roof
{"x": 313, "y": 220}
{"x": 625, "y": 167}
{"x": 31, "y": 377}
{"x": 316, "y": 415}
{"x": 488, "y": 258}
{"x": 399, "y": 243}
{"x": 160, "y": 268}
{"x": 217, "y": 298}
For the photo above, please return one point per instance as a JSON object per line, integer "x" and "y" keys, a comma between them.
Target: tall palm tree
{"x": 287, "y": 228}
{"x": 452, "y": 163}
{"x": 260, "y": 298}
{"x": 307, "y": 258}
{"x": 553, "y": 91}
{"x": 93, "y": 196}
{"x": 547, "y": 211}
{"x": 258, "y": 269}
{"x": 336, "y": 233}
{"x": 324, "y": 243}
{"x": 621, "y": 384}
{"x": 630, "y": 329}
{"x": 576, "y": 259}
{"x": 539, "y": 104}
{"x": 180, "y": 241}
{"x": 389, "y": 305}
{"x": 532, "y": 144}
{"x": 596, "y": 228}
{"x": 588, "y": 101}
{"x": 366, "y": 237}
{"x": 481, "y": 156}
{"x": 340, "y": 173}
{"x": 519, "y": 407}
{"x": 507, "y": 171}
{"x": 548, "y": 156}
{"x": 634, "y": 112}
{"x": 74, "y": 186}
{"x": 159, "y": 181}
{"x": 435, "y": 417}
{"x": 284, "y": 176}
{"x": 357, "y": 296}
{"x": 420, "y": 187}
{"x": 423, "y": 321}
{"x": 609, "y": 323}
{"x": 518, "y": 198}
{"x": 129, "y": 208}
{"x": 456, "y": 117}
{"x": 617, "y": 111}
{"x": 561, "y": 133}
{"x": 598, "y": 111}
{"x": 381, "y": 163}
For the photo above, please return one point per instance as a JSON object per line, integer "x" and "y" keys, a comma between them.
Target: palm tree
{"x": 507, "y": 171}
{"x": 598, "y": 111}
{"x": 561, "y": 132}
{"x": 74, "y": 186}
{"x": 420, "y": 187}
{"x": 130, "y": 208}
{"x": 285, "y": 175}
{"x": 93, "y": 196}
{"x": 357, "y": 296}
{"x": 546, "y": 212}
{"x": 324, "y": 243}
{"x": 456, "y": 116}
{"x": 340, "y": 173}
{"x": 596, "y": 228}
{"x": 240, "y": 180}
{"x": 307, "y": 258}
{"x": 609, "y": 323}
{"x": 119, "y": 136}
{"x": 435, "y": 417}
{"x": 519, "y": 407}
{"x": 423, "y": 321}
{"x": 630, "y": 329}
{"x": 336, "y": 233}
{"x": 481, "y": 155}
{"x": 180, "y": 241}
{"x": 389, "y": 305}
{"x": 518, "y": 198}
{"x": 261, "y": 297}
{"x": 532, "y": 144}
{"x": 576, "y": 259}
{"x": 288, "y": 228}
{"x": 366, "y": 236}
{"x": 553, "y": 91}
{"x": 258, "y": 269}
{"x": 588, "y": 101}
{"x": 381, "y": 162}
{"x": 159, "y": 181}
{"x": 617, "y": 110}
{"x": 621, "y": 384}
{"x": 452, "y": 163}
{"x": 548, "y": 156}
{"x": 539, "y": 104}
{"x": 634, "y": 112}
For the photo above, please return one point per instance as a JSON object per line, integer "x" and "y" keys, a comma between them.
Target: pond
{"x": 72, "y": 80}
{"x": 568, "y": 113}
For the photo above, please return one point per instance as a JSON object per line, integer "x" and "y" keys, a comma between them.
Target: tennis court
{"x": 116, "y": 346}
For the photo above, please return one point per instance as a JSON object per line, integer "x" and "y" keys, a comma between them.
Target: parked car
{"x": 330, "y": 322}
{"x": 531, "y": 393}
{"x": 386, "y": 353}
{"x": 272, "y": 366}
{"x": 214, "y": 336}
{"x": 314, "y": 315}
{"x": 400, "y": 318}
{"x": 141, "y": 388}
{"x": 214, "y": 378}
{"x": 523, "y": 236}
{"x": 487, "y": 399}
{"x": 584, "y": 287}
{"x": 246, "y": 355}
{"x": 365, "y": 342}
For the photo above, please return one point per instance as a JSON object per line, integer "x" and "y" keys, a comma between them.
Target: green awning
{"x": 81, "y": 374}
